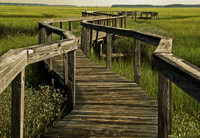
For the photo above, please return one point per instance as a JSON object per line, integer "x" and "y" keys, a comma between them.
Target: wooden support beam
{"x": 17, "y": 111}
{"x": 109, "y": 53}
{"x": 71, "y": 78}
{"x": 137, "y": 61}
{"x": 164, "y": 113}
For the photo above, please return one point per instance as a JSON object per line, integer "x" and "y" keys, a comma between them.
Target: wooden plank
{"x": 164, "y": 91}
{"x": 137, "y": 62}
{"x": 17, "y": 112}
{"x": 11, "y": 64}
{"x": 108, "y": 52}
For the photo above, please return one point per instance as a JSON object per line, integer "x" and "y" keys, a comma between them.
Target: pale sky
{"x": 103, "y": 2}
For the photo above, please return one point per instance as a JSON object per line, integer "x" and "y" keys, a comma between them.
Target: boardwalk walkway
{"x": 107, "y": 105}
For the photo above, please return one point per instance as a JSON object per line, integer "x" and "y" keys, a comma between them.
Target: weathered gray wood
{"x": 183, "y": 74}
{"x": 46, "y": 51}
{"x": 113, "y": 103}
{"x": 65, "y": 71}
{"x": 12, "y": 63}
{"x": 108, "y": 52}
{"x": 82, "y": 38}
{"x": 70, "y": 26}
{"x": 145, "y": 37}
{"x": 164, "y": 91}
{"x": 137, "y": 62}
{"x": 49, "y": 40}
{"x": 39, "y": 34}
{"x": 91, "y": 38}
{"x": 97, "y": 33}
{"x": 17, "y": 111}
{"x": 71, "y": 78}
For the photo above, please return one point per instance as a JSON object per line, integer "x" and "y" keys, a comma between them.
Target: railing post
{"x": 82, "y": 38}
{"x": 97, "y": 34}
{"x": 17, "y": 114}
{"x": 40, "y": 34}
{"x": 124, "y": 22}
{"x": 91, "y": 39}
{"x": 70, "y": 26}
{"x": 115, "y": 22}
{"x": 71, "y": 78}
{"x": 61, "y": 26}
{"x": 164, "y": 107}
{"x": 109, "y": 53}
{"x": 137, "y": 62}
{"x": 65, "y": 71}
{"x": 49, "y": 40}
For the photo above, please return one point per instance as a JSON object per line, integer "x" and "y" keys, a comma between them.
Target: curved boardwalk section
{"x": 107, "y": 105}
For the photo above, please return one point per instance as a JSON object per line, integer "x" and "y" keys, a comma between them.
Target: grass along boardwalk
{"x": 107, "y": 105}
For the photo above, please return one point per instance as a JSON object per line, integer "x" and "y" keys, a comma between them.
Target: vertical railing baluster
{"x": 49, "y": 61}
{"x": 137, "y": 61}
{"x": 17, "y": 111}
{"x": 71, "y": 78}
{"x": 164, "y": 105}
{"x": 108, "y": 52}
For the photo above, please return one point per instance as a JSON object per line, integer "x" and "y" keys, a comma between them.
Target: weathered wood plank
{"x": 182, "y": 73}
{"x": 145, "y": 37}
{"x": 11, "y": 64}
{"x": 17, "y": 113}
{"x": 46, "y": 51}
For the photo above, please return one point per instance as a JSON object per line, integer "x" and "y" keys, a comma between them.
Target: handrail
{"x": 171, "y": 68}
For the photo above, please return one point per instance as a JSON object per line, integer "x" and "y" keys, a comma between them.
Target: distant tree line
{"x": 34, "y": 4}
{"x": 159, "y": 6}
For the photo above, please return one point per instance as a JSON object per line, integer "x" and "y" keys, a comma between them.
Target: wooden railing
{"x": 170, "y": 68}
{"x": 129, "y": 14}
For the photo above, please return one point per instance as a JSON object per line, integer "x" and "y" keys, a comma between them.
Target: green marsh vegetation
{"x": 19, "y": 28}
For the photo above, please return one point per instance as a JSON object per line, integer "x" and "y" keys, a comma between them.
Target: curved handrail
{"x": 163, "y": 52}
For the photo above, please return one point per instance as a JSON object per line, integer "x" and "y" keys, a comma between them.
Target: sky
{"x": 103, "y": 2}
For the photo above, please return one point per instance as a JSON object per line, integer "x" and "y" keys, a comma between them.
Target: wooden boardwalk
{"x": 107, "y": 105}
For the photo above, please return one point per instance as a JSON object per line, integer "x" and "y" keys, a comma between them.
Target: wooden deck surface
{"x": 107, "y": 105}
